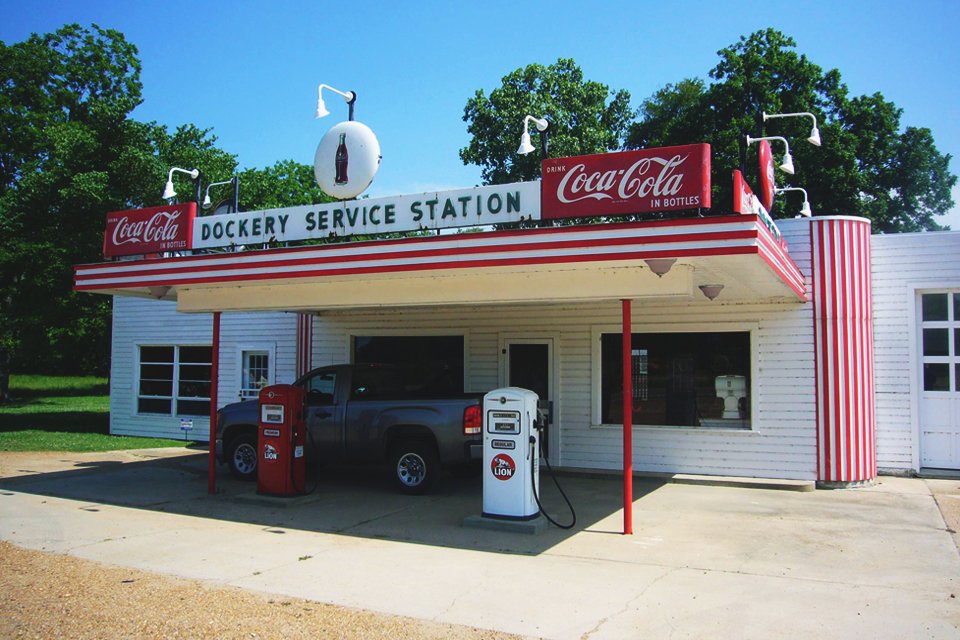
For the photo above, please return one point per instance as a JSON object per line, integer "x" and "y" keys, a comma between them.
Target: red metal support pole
{"x": 627, "y": 421}
{"x": 214, "y": 383}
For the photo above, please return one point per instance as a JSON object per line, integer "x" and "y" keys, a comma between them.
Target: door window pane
{"x": 935, "y": 342}
{"x": 936, "y": 376}
{"x": 935, "y": 307}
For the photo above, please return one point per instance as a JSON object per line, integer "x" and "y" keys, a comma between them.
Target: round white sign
{"x": 347, "y": 159}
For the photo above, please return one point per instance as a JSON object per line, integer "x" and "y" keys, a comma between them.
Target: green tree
{"x": 69, "y": 153}
{"x": 285, "y": 184}
{"x": 585, "y": 117}
{"x": 64, "y": 99}
{"x": 868, "y": 164}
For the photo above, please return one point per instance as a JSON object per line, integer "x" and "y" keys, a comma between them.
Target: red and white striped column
{"x": 843, "y": 319}
{"x": 304, "y": 343}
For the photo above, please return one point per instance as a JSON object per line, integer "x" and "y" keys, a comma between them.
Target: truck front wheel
{"x": 415, "y": 466}
{"x": 242, "y": 457}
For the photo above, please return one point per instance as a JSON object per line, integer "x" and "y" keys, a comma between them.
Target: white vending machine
{"x": 511, "y": 454}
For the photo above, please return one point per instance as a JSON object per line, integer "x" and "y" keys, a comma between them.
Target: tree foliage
{"x": 285, "y": 184}
{"x": 70, "y": 153}
{"x": 868, "y": 164}
{"x": 585, "y": 117}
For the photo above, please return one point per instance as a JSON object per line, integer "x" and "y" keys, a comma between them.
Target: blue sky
{"x": 250, "y": 69}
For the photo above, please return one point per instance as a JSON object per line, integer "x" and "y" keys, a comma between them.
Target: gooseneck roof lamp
{"x": 787, "y": 165}
{"x": 234, "y": 204}
{"x": 814, "y": 137}
{"x": 168, "y": 191}
{"x": 350, "y": 97}
{"x": 542, "y": 126}
{"x": 805, "y": 208}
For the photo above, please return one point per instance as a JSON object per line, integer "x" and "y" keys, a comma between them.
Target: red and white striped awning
{"x": 603, "y": 261}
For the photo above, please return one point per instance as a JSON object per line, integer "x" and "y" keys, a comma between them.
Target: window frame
{"x": 952, "y": 327}
{"x": 242, "y": 350}
{"x": 175, "y": 398}
{"x": 596, "y": 368}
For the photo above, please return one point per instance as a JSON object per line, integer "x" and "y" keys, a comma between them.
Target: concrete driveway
{"x": 705, "y": 561}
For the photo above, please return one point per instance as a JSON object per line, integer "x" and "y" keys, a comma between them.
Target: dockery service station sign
{"x": 610, "y": 184}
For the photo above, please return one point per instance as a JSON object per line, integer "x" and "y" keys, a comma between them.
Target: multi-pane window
{"x": 940, "y": 319}
{"x": 175, "y": 380}
{"x": 680, "y": 379}
{"x": 255, "y": 374}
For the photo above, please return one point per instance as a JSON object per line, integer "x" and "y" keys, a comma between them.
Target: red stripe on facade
{"x": 559, "y": 247}
{"x": 183, "y": 278}
{"x": 376, "y": 247}
{"x": 304, "y": 343}
{"x": 846, "y": 447}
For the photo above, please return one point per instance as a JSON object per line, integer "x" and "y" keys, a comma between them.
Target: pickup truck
{"x": 369, "y": 413}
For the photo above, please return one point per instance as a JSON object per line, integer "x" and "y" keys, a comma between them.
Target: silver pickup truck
{"x": 370, "y": 413}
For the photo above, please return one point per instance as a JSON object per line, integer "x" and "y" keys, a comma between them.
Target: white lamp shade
{"x": 168, "y": 191}
{"x": 805, "y": 209}
{"x": 814, "y": 137}
{"x": 321, "y": 109}
{"x": 787, "y": 165}
{"x": 525, "y": 145}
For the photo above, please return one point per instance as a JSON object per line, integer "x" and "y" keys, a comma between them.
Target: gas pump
{"x": 510, "y": 454}
{"x": 281, "y": 468}
{"x": 511, "y": 457}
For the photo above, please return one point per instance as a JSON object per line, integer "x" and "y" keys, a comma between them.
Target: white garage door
{"x": 940, "y": 380}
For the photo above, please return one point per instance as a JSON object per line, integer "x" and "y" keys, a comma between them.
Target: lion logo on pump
{"x": 503, "y": 466}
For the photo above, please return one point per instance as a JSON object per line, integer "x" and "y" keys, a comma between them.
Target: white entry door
{"x": 940, "y": 380}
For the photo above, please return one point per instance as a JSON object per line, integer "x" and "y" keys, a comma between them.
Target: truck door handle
{"x": 320, "y": 413}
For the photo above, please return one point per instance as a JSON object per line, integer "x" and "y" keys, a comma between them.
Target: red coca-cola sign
{"x": 609, "y": 184}
{"x": 150, "y": 230}
{"x": 768, "y": 183}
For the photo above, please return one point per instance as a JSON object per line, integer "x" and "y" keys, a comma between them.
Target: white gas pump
{"x": 511, "y": 454}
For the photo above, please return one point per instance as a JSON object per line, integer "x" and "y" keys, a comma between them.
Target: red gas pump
{"x": 282, "y": 466}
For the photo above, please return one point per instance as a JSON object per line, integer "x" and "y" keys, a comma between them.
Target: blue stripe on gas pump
{"x": 503, "y": 444}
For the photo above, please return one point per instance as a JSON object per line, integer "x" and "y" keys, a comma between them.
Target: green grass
{"x": 61, "y": 413}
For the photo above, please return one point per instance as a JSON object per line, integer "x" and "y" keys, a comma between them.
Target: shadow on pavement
{"x": 351, "y": 501}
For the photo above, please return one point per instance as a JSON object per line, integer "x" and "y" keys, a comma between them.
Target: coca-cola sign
{"x": 609, "y": 184}
{"x": 150, "y": 230}
{"x": 768, "y": 185}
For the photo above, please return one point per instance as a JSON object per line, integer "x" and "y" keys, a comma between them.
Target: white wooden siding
{"x": 903, "y": 266}
{"x": 139, "y": 321}
{"x": 781, "y": 443}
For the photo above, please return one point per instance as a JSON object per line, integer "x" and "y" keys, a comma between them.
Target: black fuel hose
{"x": 533, "y": 484}
{"x": 316, "y": 469}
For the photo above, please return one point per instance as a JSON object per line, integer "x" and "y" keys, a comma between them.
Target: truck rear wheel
{"x": 242, "y": 457}
{"x": 415, "y": 466}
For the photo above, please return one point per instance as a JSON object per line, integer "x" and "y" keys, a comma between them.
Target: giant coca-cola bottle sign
{"x": 150, "y": 230}
{"x": 606, "y": 184}
{"x": 347, "y": 159}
